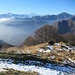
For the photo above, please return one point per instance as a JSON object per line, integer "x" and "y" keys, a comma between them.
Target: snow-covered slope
{"x": 47, "y": 69}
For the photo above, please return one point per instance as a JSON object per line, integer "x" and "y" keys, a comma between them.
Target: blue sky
{"x": 37, "y": 6}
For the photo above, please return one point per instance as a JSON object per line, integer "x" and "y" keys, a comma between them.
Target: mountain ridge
{"x": 65, "y": 26}
{"x": 8, "y": 15}
{"x": 16, "y": 30}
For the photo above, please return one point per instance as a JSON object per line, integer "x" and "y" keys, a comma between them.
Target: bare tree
{"x": 71, "y": 38}
{"x": 31, "y": 40}
{"x": 45, "y": 33}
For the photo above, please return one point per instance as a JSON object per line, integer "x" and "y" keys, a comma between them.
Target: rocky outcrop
{"x": 65, "y": 26}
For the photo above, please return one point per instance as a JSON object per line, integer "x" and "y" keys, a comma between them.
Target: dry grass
{"x": 25, "y": 49}
{"x": 34, "y": 49}
{"x": 15, "y": 49}
{"x": 59, "y": 55}
{"x": 65, "y": 54}
{"x": 56, "y": 47}
{"x": 15, "y": 72}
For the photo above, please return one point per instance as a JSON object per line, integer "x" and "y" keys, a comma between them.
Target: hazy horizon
{"x": 35, "y": 13}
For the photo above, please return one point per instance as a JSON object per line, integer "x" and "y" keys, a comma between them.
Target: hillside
{"x": 65, "y": 26}
{"x": 4, "y": 45}
{"x": 55, "y": 31}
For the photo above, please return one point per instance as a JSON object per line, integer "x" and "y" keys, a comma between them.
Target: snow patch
{"x": 44, "y": 51}
{"x": 47, "y": 69}
{"x": 50, "y": 47}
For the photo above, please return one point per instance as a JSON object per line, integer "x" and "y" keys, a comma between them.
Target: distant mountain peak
{"x": 65, "y": 14}
{"x": 9, "y": 13}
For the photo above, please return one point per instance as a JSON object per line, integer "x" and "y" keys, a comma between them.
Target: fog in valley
{"x": 15, "y": 30}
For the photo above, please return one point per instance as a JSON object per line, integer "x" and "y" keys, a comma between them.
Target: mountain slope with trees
{"x": 60, "y": 31}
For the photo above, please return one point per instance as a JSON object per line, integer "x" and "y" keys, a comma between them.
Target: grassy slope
{"x": 59, "y": 56}
{"x": 15, "y": 72}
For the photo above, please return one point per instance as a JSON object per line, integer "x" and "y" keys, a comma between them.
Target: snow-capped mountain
{"x": 59, "y": 16}
{"x": 10, "y": 15}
